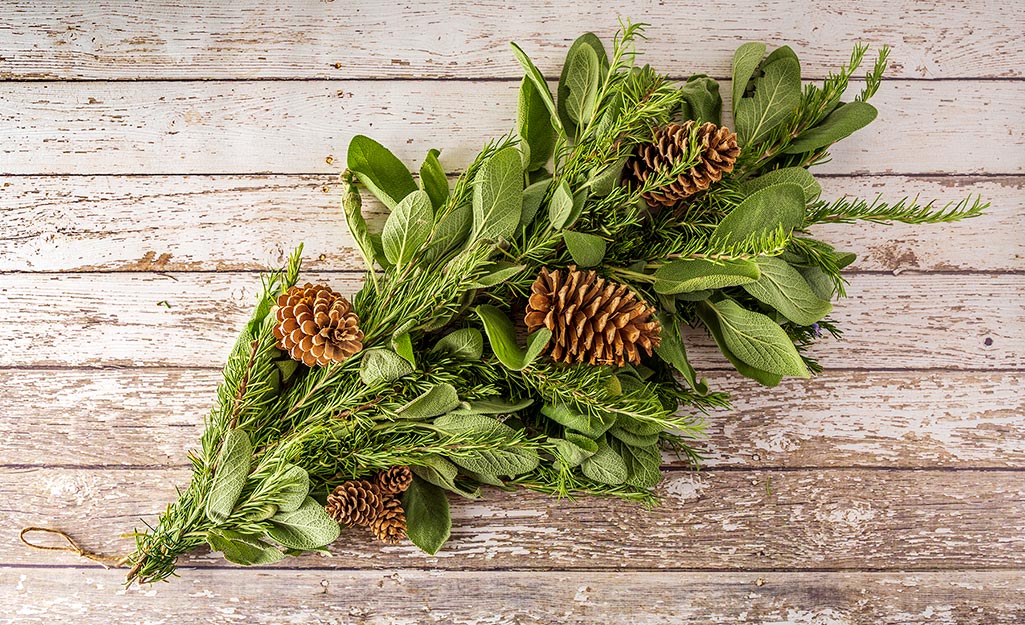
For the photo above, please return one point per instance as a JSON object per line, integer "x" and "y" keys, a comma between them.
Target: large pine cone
{"x": 394, "y": 480}
{"x": 592, "y": 319}
{"x": 316, "y": 325}
{"x": 719, "y": 151}
{"x": 356, "y": 503}
{"x": 390, "y": 525}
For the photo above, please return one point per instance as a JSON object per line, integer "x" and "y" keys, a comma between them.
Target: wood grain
{"x": 434, "y": 39}
{"x": 920, "y": 419}
{"x": 835, "y": 519}
{"x": 404, "y": 597}
{"x": 289, "y": 127}
{"x": 229, "y": 223}
{"x": 954, "y": 321}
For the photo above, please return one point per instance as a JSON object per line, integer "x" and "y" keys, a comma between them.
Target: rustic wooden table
{"x": 155, "y": 155}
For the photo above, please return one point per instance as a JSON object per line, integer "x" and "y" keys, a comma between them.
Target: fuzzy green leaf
{"x": 672, "y": 351}
{"x": 498, "y": 196}
{"x": 492, "y": 406}
{"x": 697, "y": 274}
{"x": 560, "y": 208}
{"x": 765, "y": 210}
{"x": 534, "y": 125}
{"x": 745, "y": 62}
{"x": 499, "y": 460}
{"x": 701, "y": 100}
{"x": 587, "y": 41}
{"x": 583, "y": 80}
{"x": 795, "y": 175}
{"x": 643, "y": 464}
{"x": 230, "y": 475}
{"x": 440, "y": 399}
{"x": 502, "y": 337}
{"x": 602, "y": 182}
{"x": 532, "y": 198}
{"x": 450, "y": 231}
{"x": 352, "y": 206}
{"x": 433, "y": 180}
{"x": 244, "y": 549}
{"x": 632, "y": 438}
{"x": 382, "y": 365}
{"x": 591, "y": 426}
{"x": 605, "y": 466}
{"x": 711, "y": 322}
{"x": 440, "y": 472}
{"x": 587, "y": 250}
{"x": 500, "y": 272}
{"x": 407, "y": 228}
{"x": 844, "y": 121}
{"x": 428, "y": 523}
{"x": 535, "y": 76}
{"x": 758, "y": 340}
{"x": 782, "y": 287}
{"x": 307, "y": 527}
{"x": 293, "y": 486}
{"x": 379, "y": 170}
{"x": 776, "y": 97}
{"x": 465, "y": 344}
{"x": 573, "y": 449}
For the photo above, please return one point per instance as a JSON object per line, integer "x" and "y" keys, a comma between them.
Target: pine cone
{"x": 316, "y": 325}
{"x": 591, "y": 319}
{"x": 394, "y": 480}
{"x": 356, "y": 503}
{"x": 671, "y": 143}
{"x": 390, "y": 525}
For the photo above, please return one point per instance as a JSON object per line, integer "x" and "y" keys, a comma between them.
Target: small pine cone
{"x": 592, "y": 319}
{"x": 394, "y": 480}
{"x": 390, "y": 525}
{"x": 356, "y": 503}
{"x": 719, "y": 151}
{"x": 316, "y": 325}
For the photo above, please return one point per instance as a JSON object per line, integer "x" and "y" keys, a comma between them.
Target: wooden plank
{"x": 716, "y": 520}
{"x": 147, "y": 319}
{"x": 226, "y": 223}
{"x": 431, "y": 39}
{"x": 842, "y": 418}
{"x": 92, "y": 597}
{"x": 289, "y": 127}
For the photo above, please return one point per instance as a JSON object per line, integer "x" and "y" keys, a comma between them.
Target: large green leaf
{"x": 672, "y": 351}
{"x": 596, "y": 51}
{"x": 433, "y": 180}
{"x": 745, "y": 62}
{"x": 438, "y": 400}
{"x": 307, "y": 527}
{"x": 502, "y": 337}
{"x": 697, "y": 274}
{"x": 293, "y": 486}
{"x": 583, "y": 80}
{"x": 440, "y": 472}
{"x": 795, "y": 175}
{"x": 450, "y": 231}
{"x": 587, "y": 250}
{"x": 352, "y": 206}
{"x": 535, "y": 76}
{"x": 534, "y": 125}
{"x": 765, "y": 210}
{"x": 533, "y": 195}
{"x": 498, "y": 196}
{"x": 574, "y": 448}
{"x": 428, "y": 523}
{"x": 701, "y": 100}
{"x": 230, "y": 473}
{"x": 560, "y": 207}
{"x": 776, "y": 98}
{"x": 379, "y": 170}
{"x": 591, "y": 425}
{"x": 498, "y": 459}
{"x": 605, "y": 466}
{"x": 381, "y": 365}
{"x": 492, "y": 406}
{"x": 711, "y": 322}
{"x": 758, "y": 340}
{"x": 407, "y": 228}
{"x": 844, "y": 121}
{"x": 465, "y": 344}
{"x": 782, "y": 287}
{"x": 245, "y": 549}
{"x": 643, "y": 463}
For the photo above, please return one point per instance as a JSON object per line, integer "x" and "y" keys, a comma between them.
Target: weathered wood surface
{"x": 950, "y": 320}
{"x": 436, "y": 39}
{"x": 289, "y": 127}
{"x": 230, "y": 223}
{"x": 715, "y": 520}
{"x": 930, "y": 419}
{"x": 405, "y": 597}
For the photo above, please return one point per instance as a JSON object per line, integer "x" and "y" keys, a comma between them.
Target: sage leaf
{"x": 701, "y": 100}
{"x": 502, "y": 337}
{"x": 696, "y": 274}
{"x": 532, "y": 198}
{"x": 758, "y": 341}
{"x": 500, "y": 272}
{"x": 590, "y": 425}
{"x": 711, "y": 322}
{"x": 605, "y": 466}
{"x": 379, "y": 170}
{"x": 244, "y": 549}
{"x": 643, "y": 463}
{"x": 407, "y": 228}
{"x": 230, "y": 474}
{"x": 499, "y": 459}
{"x": 573, "y": 449}
{"x": 307, "y": 527}
{"x": 765, "y": 210}
{"x": 352, "y": 207}
{"x": 402, "y": 344}
{"x": 492, "y": 406}
{"x": 381, "y": 366}
{"x": 630, "y": 438}
{"x": 579, "y": 200}
{"x": 428, "y": 523}
{"x": 602, "y": 182}
{"x": 672, "y": 351}
{"x": 587, "y": 250}
{"x": 535, "y": 76}
{"x": 440, "y": 472}
{"x": 293, "y": 486}
{"x": 433, "y": 180}
{"x": 498, "y": 196}
{"x": 777, "y": 95}
{"x": 466, "y": 344}
{"x": 796, "y": 175}
{"x": 534, "y": 125}
{"x": 440, "y": 399}
{"x": 844, "y": 121}
{"x": 450, "y": 232}
{"x": 560, "y": 208}
{"x": 582, "y": 83}
{"x": 745, "y": 61}
{"x": 782, "y": 287}
{"x": 596, "y": 51}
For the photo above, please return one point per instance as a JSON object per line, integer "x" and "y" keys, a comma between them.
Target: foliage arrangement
{"x": 522, "y": 328}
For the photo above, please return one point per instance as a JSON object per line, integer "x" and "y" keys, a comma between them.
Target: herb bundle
{"x": 521, "y": 328}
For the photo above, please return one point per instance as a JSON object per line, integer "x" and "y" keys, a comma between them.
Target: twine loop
{"x": 106, "y": 561}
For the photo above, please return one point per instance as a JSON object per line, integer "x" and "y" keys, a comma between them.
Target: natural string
{"x": 72, "y": 546}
